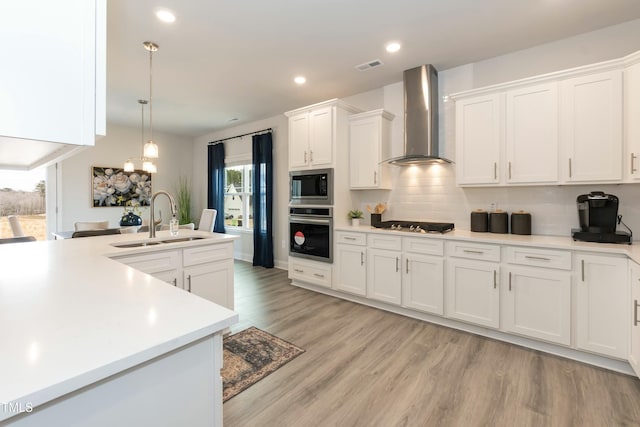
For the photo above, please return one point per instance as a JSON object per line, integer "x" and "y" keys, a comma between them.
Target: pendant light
{"x": 150, "y": 148}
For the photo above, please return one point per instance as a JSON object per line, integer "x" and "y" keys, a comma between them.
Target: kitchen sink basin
{"x": 156, "y": 242}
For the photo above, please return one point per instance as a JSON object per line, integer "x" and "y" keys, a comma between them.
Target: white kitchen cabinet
{"x": 478, "y": 140}
{"x": 384, "y": 278}
{"x": 591, "y": 127}
{"x": 531, "y": 134}
{"x": 53, "y": 80}
{"x": 369, "y": 147}
{"x": 163, "y": 265}
{"x": 210, "y": 280}
{"x": 351, "y": 269}
{"x": 631, "y": 122}
{"x": 423, "y": 283}
{"x": 634, "y": 342}
{"x": 317, "y": 273}
{"x": 314, "y": 132}
{"x": 537, "y": 303}
{"x": 602, "y": 304}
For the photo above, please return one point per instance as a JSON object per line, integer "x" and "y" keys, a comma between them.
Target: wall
{"x": 238, "y": 148}
{"x": 75, "y": 189}
{"x": 430, "y": 193}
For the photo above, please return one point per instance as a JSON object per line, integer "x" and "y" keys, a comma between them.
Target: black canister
{"x": 521, "y": 223}
{"x": 479, "y": 221}
{"x": 376, "y": 219}
{"x": 499, "y": 222}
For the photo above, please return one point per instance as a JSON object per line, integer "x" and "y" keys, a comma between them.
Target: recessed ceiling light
{"x": 393, "y": 47}
{"x": 165, "y": 15}
{"x": 300, "y": 80}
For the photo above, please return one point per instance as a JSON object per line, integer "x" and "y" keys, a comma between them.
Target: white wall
{"x": 241, "y": 147}
{"x": 430, "y": 193}
{"x": 76, "y": 202}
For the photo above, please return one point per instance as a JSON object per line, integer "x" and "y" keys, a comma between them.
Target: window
{"x": 238, "y": 197}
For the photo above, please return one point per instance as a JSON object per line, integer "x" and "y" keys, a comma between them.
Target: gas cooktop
{"x": 416, "y": 226}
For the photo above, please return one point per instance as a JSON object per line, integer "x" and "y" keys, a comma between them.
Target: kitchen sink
{"x": 156, "y": 242}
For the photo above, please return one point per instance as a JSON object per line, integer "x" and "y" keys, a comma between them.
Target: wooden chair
{"x": 207, "y": 220}
{"x": 90, "y": 233}
{"x": 16, "y": 228}
{"x": 91, "y": 225}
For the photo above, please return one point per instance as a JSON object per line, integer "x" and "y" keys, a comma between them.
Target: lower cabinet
{"x": 602, "y": 296}
{"x": 537, "y": 304}
{"x": 634, "y": 350}
{"x": 163, "y": 265}
{"x": 384, "y": 276}
{"x": 473, "y": 294}
{"x": 318, "y": 273}
{"x": 209, "y": 281}
{"x": 351, "y": 269}
{"x": 423, "y": 283}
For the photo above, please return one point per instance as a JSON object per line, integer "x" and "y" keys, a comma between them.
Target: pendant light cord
{"x": 150, "y": 94}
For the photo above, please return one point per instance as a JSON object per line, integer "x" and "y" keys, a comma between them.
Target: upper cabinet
{"x": 559, "y": 128}
{"x": 369, "y": 147}
{"x": 313, "y": 134}
{"x": 52, "y": 79}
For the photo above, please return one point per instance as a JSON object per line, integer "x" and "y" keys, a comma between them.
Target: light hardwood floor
{"x": 367, "y": 367}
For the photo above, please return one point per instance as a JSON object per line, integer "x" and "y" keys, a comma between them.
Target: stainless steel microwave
{"x": 311, "y": 187}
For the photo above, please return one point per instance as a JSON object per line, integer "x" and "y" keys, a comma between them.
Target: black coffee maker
{"x": 598, "y": 215}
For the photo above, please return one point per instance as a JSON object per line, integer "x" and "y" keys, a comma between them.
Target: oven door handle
{"x": 306, "y": 220}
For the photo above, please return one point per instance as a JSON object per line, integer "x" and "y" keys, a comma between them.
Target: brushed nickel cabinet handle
{"x": 509, "y": 281}
{"x": 361, "y": 258}
{"x": 582, "y": 268}
{"x": 539, "y": 258}
{"x": 349, "y": 238}
{"x": 397, "y": 264}
{"x": 311, "y": 156}
{"x": 305, "y": 156}
{"x": 635, "y": 312}
{"x": 297, "y": 270}
{"x": 569, "y": 167}
{"x": 633, "y": 157}
{"x": 407, "y": 265}
{"x": 495, "y": 170}
{"x": 509, "y": 170}
{"x": 469, "y": 251}
{"x": 375, "y": 177}
{"x": 175, "y": 281}
{"x": 189, "y": 282}
{"x": 495, "y": 279}
{"x": 319, "y": 275}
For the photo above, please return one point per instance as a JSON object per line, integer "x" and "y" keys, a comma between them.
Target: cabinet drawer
{"x": 473, "y": 251}
{"x": 309, "y": 271}
{"x": 538, "y": 257}
{"x": 154, "y": 262}
{"x": 204, "y": 254}
{"x": 351, "y": 238}
{"x": 423, "y": 246}
{"x": 381, "y": 241}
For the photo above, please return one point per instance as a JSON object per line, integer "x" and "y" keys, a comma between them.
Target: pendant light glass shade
{"x": 129, "y": 166}
{"x": 151, "y": 150}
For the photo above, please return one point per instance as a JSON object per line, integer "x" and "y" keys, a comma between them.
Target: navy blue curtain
{"x": 215, "y": 191}
{"x": 262, "y": 200}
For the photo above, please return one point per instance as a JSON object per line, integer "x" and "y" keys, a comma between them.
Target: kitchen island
{"x": 87, "y": 340}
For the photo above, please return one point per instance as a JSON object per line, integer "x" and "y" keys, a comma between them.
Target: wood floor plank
{"x": 367, "y": 367}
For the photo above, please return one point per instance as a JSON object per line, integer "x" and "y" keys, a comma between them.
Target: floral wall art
{"x": 115, "y": 187}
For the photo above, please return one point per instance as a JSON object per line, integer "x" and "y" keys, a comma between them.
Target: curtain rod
{"x": 240, "y": 136}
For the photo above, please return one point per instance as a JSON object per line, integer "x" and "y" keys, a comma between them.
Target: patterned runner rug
{"x": 251, "y": 355}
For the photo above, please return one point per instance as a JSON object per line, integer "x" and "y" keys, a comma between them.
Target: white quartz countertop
{"x": 71, "y": 316}
{"x": 551, "y": 242}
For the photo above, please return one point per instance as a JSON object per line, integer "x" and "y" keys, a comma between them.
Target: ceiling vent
{"x": 369, "y": 65}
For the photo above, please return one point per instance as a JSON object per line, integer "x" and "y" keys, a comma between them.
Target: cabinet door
{"x": 602, "y": 305}
{"x": 50, "y": 80}
{"x": 423, "y": 283}
{"x": 634, "y": 356}
{"x": 164, "y": 265}
{"x": 478, "y": 140}
{"x": 631, "y": 122}
{"x": 384, "y": 276}
{"x": 173, "y": 277}
{"x": 321, "y": 132}
{"x": 538, "y": 304}
{"x": 472, "y": 292}
{"x": 532, "y": 134}
{"x": 299, "y": 141}
{"x": 364, "y": 153}
{"x": 591, "y": 127}
{"x": 212, "y": 281}
{"x": 351, "y": 270}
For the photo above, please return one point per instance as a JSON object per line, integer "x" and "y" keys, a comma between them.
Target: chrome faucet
{"x": 152, "y": 225}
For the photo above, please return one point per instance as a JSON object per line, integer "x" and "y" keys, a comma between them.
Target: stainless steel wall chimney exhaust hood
{"x": 420, "y": 118}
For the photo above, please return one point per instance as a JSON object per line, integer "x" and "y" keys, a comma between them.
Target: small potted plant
{"x": 355, "y": 215}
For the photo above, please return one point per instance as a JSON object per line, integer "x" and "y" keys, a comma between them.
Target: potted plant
{"x": 183, "y": 190}
{"x": 355, "y": 215}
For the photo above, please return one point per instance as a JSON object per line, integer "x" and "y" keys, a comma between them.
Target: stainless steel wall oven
{"x": 311, "y": 233}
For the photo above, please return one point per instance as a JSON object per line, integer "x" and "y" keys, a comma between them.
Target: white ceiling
{"x": 237, "y": 58}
